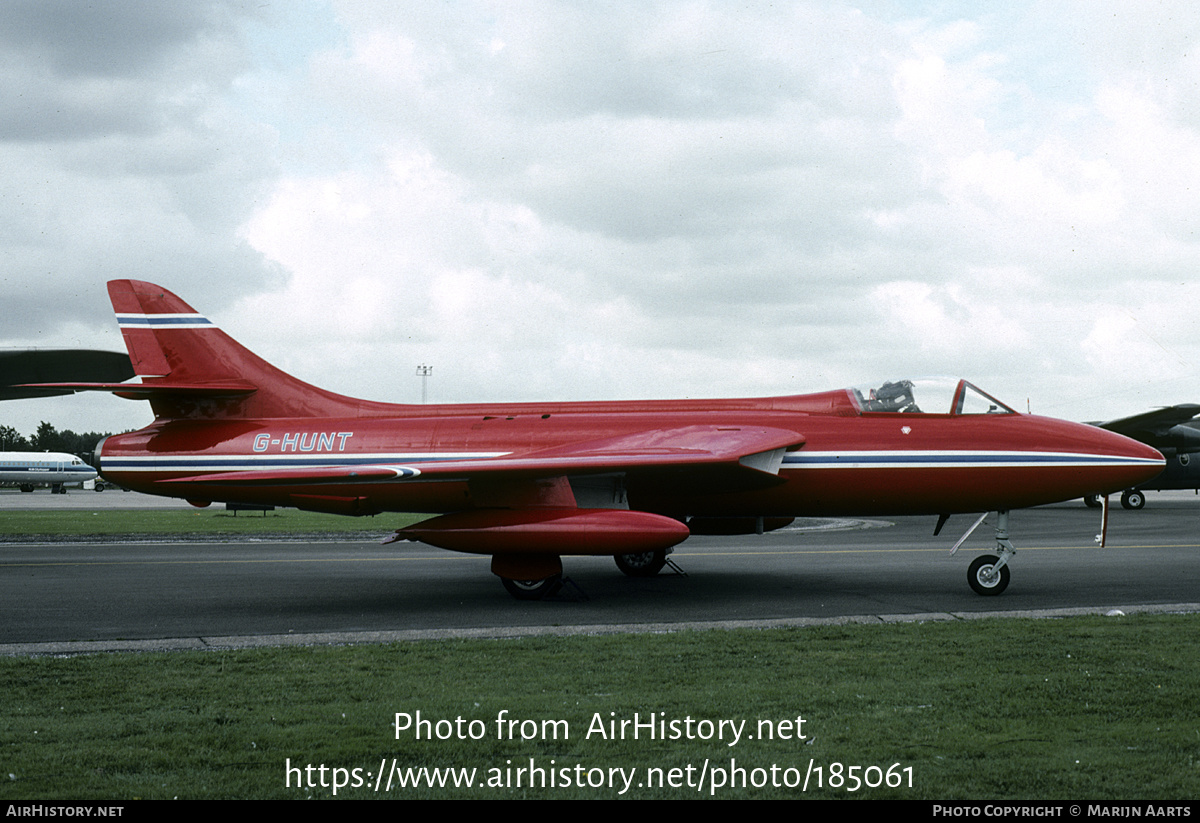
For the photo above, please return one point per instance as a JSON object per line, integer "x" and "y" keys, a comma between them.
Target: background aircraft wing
{"x": 148, "y": 391}
{"x": 1152, "y": 423}
{"x": 23, "y": 366}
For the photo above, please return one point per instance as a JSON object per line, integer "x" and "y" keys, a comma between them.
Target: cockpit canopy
{"x": 932, "y": 395}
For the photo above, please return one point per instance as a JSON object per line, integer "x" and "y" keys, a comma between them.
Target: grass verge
{"x": 1080, "y": 708}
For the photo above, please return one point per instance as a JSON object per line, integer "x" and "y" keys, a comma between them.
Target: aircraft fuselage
{"x": 54, "y": 469}
{"x": 850, "y": 463}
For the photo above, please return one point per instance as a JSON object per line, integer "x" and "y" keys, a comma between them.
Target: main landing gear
{"x": 988, "y": 574}
{"x": 644, "y": 564}
{"x": 533, "y": 589}
{"x": 536, "y": 577}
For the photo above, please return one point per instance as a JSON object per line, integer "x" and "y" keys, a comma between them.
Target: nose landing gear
{"x": 988, "y": 574}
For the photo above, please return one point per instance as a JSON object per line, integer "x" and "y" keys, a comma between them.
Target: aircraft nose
{"x": 1129, "y": 461}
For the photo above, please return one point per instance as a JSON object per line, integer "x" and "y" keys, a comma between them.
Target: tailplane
{"x": 190, "y": 368}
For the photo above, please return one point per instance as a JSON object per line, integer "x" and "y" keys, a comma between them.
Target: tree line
{"x": 49, "y": 439}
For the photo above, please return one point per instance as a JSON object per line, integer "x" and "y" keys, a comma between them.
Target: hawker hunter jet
{"x": 528, "y": 483}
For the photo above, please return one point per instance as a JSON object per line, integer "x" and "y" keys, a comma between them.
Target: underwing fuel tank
{"x": 551, "y": 530}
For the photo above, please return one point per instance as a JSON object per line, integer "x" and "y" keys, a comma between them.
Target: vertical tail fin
{"x": 191, "y": 368}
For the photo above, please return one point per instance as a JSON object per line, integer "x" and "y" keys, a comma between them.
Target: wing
{"x": 1153, "y": 424}
{"x": 736, "y": 454}
{"x": 729, "y": 457}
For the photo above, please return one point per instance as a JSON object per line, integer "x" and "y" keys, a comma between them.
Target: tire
{"x": 1092, "y": 501}
{"x": 642, "y": 564}
{"x": 532, "y": 589}
{"x": 981, "y": 578}
{"x": 1133, "y": 499}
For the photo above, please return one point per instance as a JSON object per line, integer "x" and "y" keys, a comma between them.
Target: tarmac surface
{"x": 107, "y": 596}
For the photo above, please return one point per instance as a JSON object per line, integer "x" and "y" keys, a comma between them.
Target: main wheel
{"x": 984, "y": 578}
{"x": 1133, "y": 499}
{"x": 532, "y": 589}
{"x": 1092, "y": 501}
{"x": 642, "y": 564}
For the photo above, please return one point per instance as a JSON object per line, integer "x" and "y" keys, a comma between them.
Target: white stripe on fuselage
{"x": 798, "y": 461}
{"x": 952, "y": 459}
{"x": 236, "y": 462}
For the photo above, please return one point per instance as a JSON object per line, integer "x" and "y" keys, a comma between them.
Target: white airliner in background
{"x": 53, "y": 469}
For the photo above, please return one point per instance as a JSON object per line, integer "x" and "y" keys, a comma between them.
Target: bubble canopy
{"x": 927, "y": 395}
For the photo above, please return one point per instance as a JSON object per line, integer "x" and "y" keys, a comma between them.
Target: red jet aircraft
{"x": 527, "y": 483}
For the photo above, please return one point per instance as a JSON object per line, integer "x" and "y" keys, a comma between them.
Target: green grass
{"x": 19, "y": 524}
{"x": 1080, "y": 708}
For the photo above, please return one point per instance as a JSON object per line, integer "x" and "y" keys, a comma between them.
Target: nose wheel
{"x": 986, "y": 576}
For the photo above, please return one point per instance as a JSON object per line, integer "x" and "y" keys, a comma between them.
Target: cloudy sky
{"x": 600, "y": 200}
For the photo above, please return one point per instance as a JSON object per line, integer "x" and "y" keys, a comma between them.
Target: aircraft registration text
{"x": 302, "y": 441}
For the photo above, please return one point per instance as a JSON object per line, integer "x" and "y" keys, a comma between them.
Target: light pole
{"x": 423, "y": 372}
